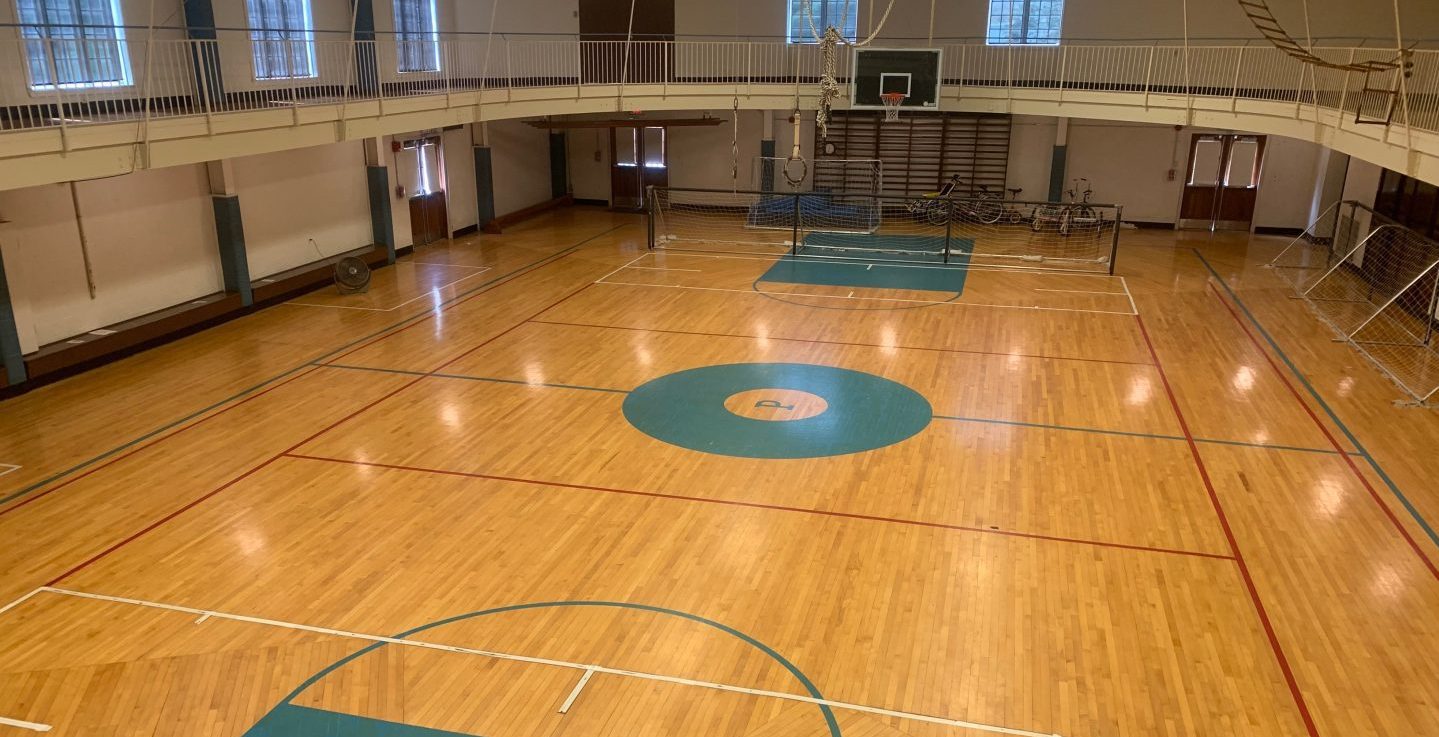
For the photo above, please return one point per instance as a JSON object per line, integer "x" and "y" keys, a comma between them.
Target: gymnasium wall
{"x": 293, "y": 196}
{"x": 459, "y": 158}
{"x": 151, "y": 238}
{"x": 520, "y": 157}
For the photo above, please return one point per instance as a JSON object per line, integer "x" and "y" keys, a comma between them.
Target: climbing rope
{"x": 734, "y": 148}
{"x": 829, "y": 43}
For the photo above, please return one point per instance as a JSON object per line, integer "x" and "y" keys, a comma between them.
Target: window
{"x": 654, "y": 148}
{"x": 1025, "y": 21}
{"x": 823, "y": 13}
{"x": 74, "y": 43}
{"x": 416, "y": 36}
{"x": 282, "y": 39}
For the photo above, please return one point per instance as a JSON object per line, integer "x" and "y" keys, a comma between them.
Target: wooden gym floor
{"x": 1162, "y": 504}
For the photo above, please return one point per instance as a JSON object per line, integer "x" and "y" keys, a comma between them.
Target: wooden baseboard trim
{"x": 497, "y": 226}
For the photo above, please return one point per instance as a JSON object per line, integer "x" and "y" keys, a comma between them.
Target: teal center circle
{"x": 865, "y": 411}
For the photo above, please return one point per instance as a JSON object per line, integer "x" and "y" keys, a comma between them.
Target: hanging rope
{"x": 829, "y": 43}
{"x": 795, "y": 176}
{"x": 734, "y": 149}
{"x": 485, "y": 68}
{"x": 625, "y": 72}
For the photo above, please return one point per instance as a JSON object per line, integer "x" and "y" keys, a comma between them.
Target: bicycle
{"x": 934, "y": 207}
{"x": 1067, "y": 215}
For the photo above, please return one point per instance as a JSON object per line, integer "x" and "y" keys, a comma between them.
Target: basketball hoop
{"x": 892, "y": 101}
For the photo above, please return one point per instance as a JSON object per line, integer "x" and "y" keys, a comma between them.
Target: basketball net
{"x": 892, "y": 101}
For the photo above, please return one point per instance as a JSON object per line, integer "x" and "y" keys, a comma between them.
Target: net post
{"x": 948, "y": 226}
{"x": 794, "y": 242}
{"x": 650, "y": 216}
{"x": 1114, "y": 244}
{"x": 1429, "y": 316}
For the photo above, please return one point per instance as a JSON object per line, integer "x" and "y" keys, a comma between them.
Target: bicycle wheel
{"x": 937, "y": 213}
{"x": 1066, "y": 220}
{"x": 988, "y": 211}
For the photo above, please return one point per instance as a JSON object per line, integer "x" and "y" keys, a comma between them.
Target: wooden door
{"x": 639, "y": 158}
{"x": 429, "y": 218}
{"x": 1222, "y": 183}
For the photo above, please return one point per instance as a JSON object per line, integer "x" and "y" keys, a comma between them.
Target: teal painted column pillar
{"x": 382, "y": 220}
{"x": 559, "y": 166}
{"x": 230, "y": 233}
{"x": 9, "y": 334}
{"x": 484, "y": 185}
{"x": 367, "y": 69}
{"x": 1059, "y": 159}
{"x": 205, "y": 53}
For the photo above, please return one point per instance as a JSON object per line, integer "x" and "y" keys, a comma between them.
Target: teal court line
{"x": 773, "y": 654}
{"x": 250, "y": 390}
{"x": 955, "y": 418}
{"x": 1333, "y": 416}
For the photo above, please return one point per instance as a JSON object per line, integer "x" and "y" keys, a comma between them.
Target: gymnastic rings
{"x": 789, "y": 176}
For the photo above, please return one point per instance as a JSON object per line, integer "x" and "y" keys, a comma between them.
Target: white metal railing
{"x": 171, "y": 77}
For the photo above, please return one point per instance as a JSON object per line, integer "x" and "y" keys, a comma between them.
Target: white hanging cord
{"x": 485, "y": 68}
{"x": 625, "y": 73}
{"x": 931, "y": 22}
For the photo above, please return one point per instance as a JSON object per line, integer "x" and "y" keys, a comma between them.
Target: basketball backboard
{"x": 913, "y": 72}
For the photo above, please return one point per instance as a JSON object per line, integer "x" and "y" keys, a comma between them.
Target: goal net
{"x": 1376, "y": 283}
{"x": 858, "y": 176}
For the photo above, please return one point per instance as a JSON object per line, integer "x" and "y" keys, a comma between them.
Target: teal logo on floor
{"x": 777, "y": 410}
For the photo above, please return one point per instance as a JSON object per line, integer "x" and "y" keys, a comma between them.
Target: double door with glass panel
{"x": 1223, "y": 181}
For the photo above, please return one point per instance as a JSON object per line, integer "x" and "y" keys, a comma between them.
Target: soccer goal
{"x": 1376, "y": 283}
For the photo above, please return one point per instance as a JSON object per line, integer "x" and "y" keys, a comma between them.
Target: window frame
{"x": 1026, "y": 15}
{"x": 44, "y": 36}
{"x": 427, "y": 41}
{"x": 821, "y": 21}
{"x": 262, "y": 35}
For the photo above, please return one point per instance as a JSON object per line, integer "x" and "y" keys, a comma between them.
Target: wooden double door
{"x": 1223, "y": 181}
{"x": 639, "y": 158}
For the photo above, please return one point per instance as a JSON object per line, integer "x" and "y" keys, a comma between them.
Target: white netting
{"x": 1376, "y": 283}
{"x": 865, "y": 226}
{"x": 862, "y": 176}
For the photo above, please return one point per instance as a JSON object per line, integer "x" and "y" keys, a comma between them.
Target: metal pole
{"x": 948, "y": 227}
{"x": 1429, "y": 316}
{"x": 650, "y": 224}
{"x": 1114, "y": 246}
{"x": 794, "y": 244}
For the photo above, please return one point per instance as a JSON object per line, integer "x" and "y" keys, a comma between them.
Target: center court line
{"x": 428, "y": 294}
{"x": 1363, "y": 480}
{"x": 284, "y": 377}
{"x": 586, "y": 667}
{"x": 1078, "y": 291}
{"x": 9, "y": 468}
{"x": 575, "y": 694}
{"x": 867, "y": 299}
{"x": 847, "y": 343}
{"x": 765, "y": 506}
{"x": 1244, "y": 574}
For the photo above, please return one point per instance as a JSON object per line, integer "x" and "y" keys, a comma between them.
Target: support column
{"x": 230, "y": 231}
{"x": 559, "y": 166}
{"x": 382, "y": 219}
{"x": 205, "y": 54}
{"x": 766, "y": 149}
{"x": 1058, "y": 160}
{"x": 484, "y": 178}
{"x": 10, "y": 351}
{"x": 367, "y": 69}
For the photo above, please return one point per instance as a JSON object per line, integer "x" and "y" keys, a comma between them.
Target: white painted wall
{"x": 151, "y": 239}
{"x": 292, "y": 196}
{"x": 520, "y": 156}
{"x": 460, "y": 179}
{"x": 1292, "y": 173}
{"x": 1128, "y": 164}
{"x": 589, "y": 160}
{"x": 1031, "y": 142}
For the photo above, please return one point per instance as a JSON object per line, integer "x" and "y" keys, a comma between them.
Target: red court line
{"x": 156, "y": 441}
{"x": 1348, "y": 459}
{"x": 773, "y": 507}
{"x": 288, "y": 450}
{"x": 839, "y": 342}
{"x": 1233, "y": 543}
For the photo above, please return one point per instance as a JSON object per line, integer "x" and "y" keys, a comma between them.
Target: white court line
{"x": 32, "y": 726}
{"x": 662, "y": 268}
{"x": 482, "y": 269}
{"x": 678, "y": 253}
{"x": 622, "y": 268}
{"x": 868, "y": 299}
{"x": 20, "y": 600}
{"x": 1078, "y": 291}
{"x": 8, "y": 468}
{"x": 1132, "y": 306}
{"x": 556, "y": 663}
{"x": 440, "y": 263}
{"x": 575, "y": 694}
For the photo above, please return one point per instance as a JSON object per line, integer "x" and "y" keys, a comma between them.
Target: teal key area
{"x": 777, "y": 410}
{"x": 292, "y": 720}
{"x": 863, "y": 260}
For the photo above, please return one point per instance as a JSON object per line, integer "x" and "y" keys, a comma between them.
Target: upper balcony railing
{"x": 63, "y": 83}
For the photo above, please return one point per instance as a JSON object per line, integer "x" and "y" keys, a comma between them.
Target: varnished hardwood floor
{"x": 1113, "y": 524}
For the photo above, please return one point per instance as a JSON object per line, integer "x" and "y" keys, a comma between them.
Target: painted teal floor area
{"x": 932, "y": 277}
{"x": 289, "y": 720}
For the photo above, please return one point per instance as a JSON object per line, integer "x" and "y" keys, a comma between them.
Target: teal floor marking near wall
{"x": 806, "y": 270}
{"x": 862, "y": 411}
{"x": 290, "y": 720}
